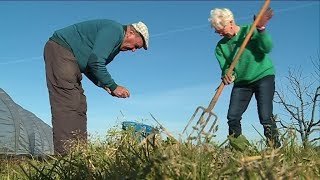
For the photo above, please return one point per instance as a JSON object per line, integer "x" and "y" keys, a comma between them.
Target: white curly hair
{"x": 220, "y": 17}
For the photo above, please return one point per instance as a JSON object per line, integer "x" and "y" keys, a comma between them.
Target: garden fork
{"x": 207, "y": 111}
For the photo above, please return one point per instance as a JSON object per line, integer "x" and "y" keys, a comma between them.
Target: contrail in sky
{"x": 241, "y": 18}
{"x": 17, "y": 60}
{"x": 13, "y": 60}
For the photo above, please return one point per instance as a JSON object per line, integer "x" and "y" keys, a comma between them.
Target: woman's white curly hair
{"x": 220, "y": 17}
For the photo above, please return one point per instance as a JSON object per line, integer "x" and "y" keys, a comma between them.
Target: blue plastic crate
{"x": 138, "y": 127}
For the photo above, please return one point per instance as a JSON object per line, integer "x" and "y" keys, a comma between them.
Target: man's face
{"x": 132, "y": 42}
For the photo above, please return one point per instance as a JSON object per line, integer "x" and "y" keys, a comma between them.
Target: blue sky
{"x": 179, "y": 71}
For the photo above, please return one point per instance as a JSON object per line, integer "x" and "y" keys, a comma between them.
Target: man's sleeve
{"x": 106, "y": 41}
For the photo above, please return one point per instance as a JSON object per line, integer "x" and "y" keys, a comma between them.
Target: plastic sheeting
{"x": 21, "y": 132}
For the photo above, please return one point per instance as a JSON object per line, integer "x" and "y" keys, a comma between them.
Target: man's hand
{"x": 228, "y": 79}
{"x": 266, "y": 16}
{"x": 120, "y": 92}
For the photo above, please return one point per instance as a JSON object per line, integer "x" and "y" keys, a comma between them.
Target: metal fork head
{"x": 202, "y": 122}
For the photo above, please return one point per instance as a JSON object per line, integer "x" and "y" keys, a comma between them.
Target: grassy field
{"x": 122, "y": 155}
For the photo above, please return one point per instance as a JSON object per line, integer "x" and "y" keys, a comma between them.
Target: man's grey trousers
{"x": 67, "y": 99}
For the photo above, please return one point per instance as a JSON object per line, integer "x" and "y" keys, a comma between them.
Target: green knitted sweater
{"x": 254, "y": 63}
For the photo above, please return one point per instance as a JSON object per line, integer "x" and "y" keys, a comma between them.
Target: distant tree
{"x": 300, "y": 98}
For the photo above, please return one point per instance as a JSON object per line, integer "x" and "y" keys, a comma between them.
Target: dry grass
{"x": 122, "y": 155}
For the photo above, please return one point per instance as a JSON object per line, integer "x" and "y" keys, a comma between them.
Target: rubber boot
{"x": 239, "y": 143}
{"x": 272, "y": 135}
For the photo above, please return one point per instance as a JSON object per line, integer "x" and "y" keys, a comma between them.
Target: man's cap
{"x": 143, "y": 30}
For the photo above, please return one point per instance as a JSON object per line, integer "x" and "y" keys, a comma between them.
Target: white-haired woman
{"x": 253, "y": 74}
